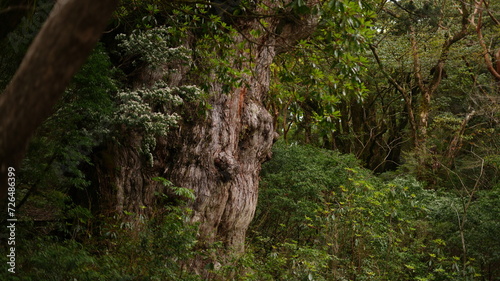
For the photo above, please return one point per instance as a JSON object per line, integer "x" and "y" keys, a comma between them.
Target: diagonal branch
{"x": 486, "y": 54}
{"x": 60, "y": 48}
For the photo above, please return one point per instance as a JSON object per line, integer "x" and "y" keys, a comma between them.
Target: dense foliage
{"x": 323, "y": 217}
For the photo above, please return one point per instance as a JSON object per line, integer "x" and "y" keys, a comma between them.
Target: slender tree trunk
{"x": 457, "y": 140}
{"x": 437, "y": 74}
{"x": 60, "y": 48}
{"x": 404, "y": 93}
{"x": 428, "y": 91}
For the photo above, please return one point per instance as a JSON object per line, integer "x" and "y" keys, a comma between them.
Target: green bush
{"x": 294, "y": 185}
{"x": 321, "y": 216}
{"x": 471, "y": 229}
{"x": 159, "y": 250}
{"x": 49, "y": 259}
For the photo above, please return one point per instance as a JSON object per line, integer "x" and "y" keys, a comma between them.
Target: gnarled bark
{"x": 219, "y": 156}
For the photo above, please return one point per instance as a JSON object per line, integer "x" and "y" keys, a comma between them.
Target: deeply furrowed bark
{"x": 221, "y": 158}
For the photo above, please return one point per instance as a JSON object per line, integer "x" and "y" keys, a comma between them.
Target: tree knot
{"x": 226, "y": 165}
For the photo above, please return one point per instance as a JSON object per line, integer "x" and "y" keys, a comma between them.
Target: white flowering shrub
{"x": 150, "y": 111}
{"x": 153, "y": 46}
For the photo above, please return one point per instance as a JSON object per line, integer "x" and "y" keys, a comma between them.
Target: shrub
{"x": 321, "y": 216}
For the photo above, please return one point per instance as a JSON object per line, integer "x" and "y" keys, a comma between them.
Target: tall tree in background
{"x": 441, "y": 91}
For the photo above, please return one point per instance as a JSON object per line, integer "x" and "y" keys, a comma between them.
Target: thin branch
{"x": 488, "y": 10}
{"x": 486, "y": 52}
{"x": 403, "y": 92}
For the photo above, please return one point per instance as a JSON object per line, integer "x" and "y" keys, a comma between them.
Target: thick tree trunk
{"x": 426, "y": 155}
{"x": 218, "y": 156}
